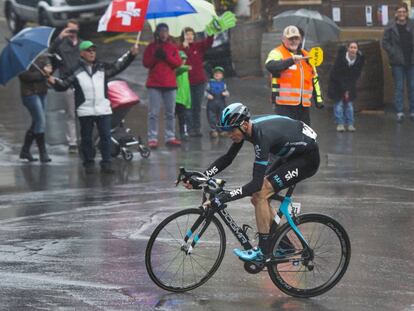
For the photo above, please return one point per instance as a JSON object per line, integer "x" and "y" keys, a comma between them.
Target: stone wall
{"x": 245, "y": 42}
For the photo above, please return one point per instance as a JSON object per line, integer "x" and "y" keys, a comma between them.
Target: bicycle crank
{"x": 253, "y": 267}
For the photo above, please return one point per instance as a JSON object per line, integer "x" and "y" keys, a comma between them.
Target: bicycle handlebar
{"x": 196, "y": 179}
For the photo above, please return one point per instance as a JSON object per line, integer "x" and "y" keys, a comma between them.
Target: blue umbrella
{"x": 168, "y": 8}
{"x": 22, "y": 50}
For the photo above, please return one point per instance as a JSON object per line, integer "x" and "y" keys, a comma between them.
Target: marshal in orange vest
{"x": 295, "y": 84}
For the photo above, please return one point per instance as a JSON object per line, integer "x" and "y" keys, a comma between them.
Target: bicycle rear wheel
{"x": 308, "y": 273}
{"x": 170, "y": 261}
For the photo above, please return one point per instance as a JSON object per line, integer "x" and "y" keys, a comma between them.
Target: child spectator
{"x": 216, "y": 93}
{"x": 183, "y": 97}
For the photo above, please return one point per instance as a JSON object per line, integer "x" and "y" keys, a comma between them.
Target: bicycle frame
{"x": 237, "y": 231}
{"x": 284, "y": 211}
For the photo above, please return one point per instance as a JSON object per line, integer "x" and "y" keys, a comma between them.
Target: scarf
{"x": 349, "y": 60}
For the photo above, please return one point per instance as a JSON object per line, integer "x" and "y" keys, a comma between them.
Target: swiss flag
{"x": 124, "y": 16}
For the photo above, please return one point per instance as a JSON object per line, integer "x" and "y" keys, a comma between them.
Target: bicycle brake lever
{"x": 181, "y": 176}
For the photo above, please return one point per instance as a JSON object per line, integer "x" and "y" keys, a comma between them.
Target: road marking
{"x": 131, "y": 38}
{"x": 121, "y": 36}
{"x": 36, "y": 280}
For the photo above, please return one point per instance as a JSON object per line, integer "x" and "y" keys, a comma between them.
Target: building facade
{"x": 346, "y": 13}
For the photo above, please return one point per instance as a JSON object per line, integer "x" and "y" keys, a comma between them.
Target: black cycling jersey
{"x": 271, "y": 135}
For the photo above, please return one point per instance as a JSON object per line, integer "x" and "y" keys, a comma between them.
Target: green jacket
{"x": 183, "y": 86}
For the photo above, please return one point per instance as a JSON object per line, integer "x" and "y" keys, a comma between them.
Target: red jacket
{"x": 161, "y": 71}
{"x": 195, "y": 53}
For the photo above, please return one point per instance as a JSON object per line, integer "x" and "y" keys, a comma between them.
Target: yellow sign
{"x": 316, "y": 56}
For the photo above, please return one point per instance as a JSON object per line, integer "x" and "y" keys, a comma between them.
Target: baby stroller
{"x": 122, "y": 99}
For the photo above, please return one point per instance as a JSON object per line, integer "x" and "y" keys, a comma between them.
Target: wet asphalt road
{"x": 74, "y": 242}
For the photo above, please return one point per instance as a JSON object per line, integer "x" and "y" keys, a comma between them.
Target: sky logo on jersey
{"x": 278, "y": 181}
{"x": 257, "y": 151}
{"x": 235, "y": 192}
{"x": 292, "y": 174}
{"x": 211, "y": 172}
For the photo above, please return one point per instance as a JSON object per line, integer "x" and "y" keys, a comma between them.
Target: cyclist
{"x": 291, "y": 141}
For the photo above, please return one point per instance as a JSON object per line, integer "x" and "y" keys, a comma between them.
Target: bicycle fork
{"x": 202, "y": 221}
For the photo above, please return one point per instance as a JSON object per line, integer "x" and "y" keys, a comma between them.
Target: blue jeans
{"x": 344, "y": 113}
{"x": 197, "y": 97}
{"x": 36, "y": 106}
{"x": 401, "y": 73}
{"x": 214, "y": 109}
{"x": 156, "y": 98}
{"x": 103, "y": 124}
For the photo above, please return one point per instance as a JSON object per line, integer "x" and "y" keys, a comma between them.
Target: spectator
{"x": 161, "y": 58}
{"x": 295, "y": 82}
{"x": 342, "y": 84}
{"x": 195, "y": 51}
{"x": 398, "y": 42}
{"x": 183, "y": 98}
{"x": 216, "y": 93}
{"x": 89, "y": 81}
{"x": 33, "y": 90}
{"x": 66, "y": 45}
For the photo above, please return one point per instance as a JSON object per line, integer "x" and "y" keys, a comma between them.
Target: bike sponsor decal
{"x": 236, "y": 229}
{"x": 235, "y": 192}
{"x": 211, "y": 172}
{"x": 292, "y": 174}
{"x": 278, "y": 180}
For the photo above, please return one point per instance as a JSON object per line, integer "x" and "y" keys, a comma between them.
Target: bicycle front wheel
{"x": 305, "y": 272}
{"x": 170, "y": 261}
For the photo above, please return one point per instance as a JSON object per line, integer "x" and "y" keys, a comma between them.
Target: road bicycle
{"x": 310, "y": 253}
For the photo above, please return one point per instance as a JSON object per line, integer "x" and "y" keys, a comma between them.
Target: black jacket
{"x": 69, "y": 53}
{"x": 392, "y": 45}
{"x": 344, "y": 77}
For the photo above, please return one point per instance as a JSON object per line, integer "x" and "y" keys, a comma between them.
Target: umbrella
{"x": 168, "y": 8}
{"x": 22, "y": 50}
{"x": 197, "y": 21}
{"x": 318, "y": 28}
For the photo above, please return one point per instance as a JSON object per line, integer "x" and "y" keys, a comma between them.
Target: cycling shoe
{"x": 254, "y": 254}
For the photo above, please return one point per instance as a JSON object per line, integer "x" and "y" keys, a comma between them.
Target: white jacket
{"x": 90, "y": 84}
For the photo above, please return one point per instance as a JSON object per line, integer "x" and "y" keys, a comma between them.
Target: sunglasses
{"x": 91, "y": 50}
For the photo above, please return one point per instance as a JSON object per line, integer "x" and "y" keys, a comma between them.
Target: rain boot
{"x": 25, "y": 152}
{"x": 40, "y": 140}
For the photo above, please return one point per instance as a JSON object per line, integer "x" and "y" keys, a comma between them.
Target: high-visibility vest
{"x": 295, "y": 84}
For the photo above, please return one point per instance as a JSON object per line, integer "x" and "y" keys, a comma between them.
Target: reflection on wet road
{"x": 75, "y": 240}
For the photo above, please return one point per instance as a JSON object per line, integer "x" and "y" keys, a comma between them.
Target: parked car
{"x": 52, "y": 12}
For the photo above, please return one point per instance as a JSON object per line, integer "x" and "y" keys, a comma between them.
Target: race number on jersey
{"x": 307, "y": 130}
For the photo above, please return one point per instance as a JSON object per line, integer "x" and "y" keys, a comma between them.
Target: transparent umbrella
{"x": 198, "y": 20}
{"x": 318, "y": 28}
